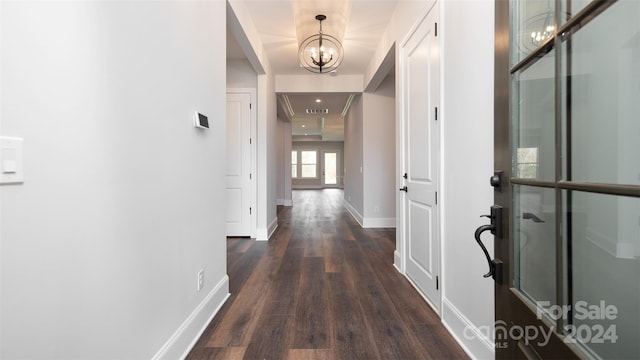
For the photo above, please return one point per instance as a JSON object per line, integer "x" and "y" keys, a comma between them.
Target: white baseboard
{"x": 379, "y": 222}
{"x": 354, "y": 213}
{"x": 264, "y": 234}
{"x": 397, "y": 261}
{"x": 471, "y": 339}
{"x": 369, "y": 222}
{"x": 183, "y": 339}
{"x": 272, "y": 227}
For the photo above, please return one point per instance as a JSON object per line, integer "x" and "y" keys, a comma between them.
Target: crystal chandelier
{"x": 320, "y": 53}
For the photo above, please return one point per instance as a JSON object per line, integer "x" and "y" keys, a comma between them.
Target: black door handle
{"x": 404, "y": 188}
{"x": 479, "y": 231}
{"x": 495, "y": 266}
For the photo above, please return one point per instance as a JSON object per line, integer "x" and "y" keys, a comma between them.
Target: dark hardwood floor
{"x": 321, "y": 288}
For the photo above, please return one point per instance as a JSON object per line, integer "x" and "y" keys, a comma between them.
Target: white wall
{"x": 353, "y": 159}
{"x": 467, "y": 158}
{"x": 120, "y": 207}
{"x": 379, "y": 155}
{"x": 272, "y": 151}
{"x": 280, "y": 162}
{"x": 267, "y": 154}
{"x": 241, "y": 75}
{"x": 287, "y": 199}
{"x": 404, "y": 17}
{"x": 314, "y": 83}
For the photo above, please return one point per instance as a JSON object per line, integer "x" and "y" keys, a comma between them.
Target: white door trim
{"x": 254, "y": 154}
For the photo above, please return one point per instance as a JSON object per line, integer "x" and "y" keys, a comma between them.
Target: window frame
{"x": 299, "y": 164}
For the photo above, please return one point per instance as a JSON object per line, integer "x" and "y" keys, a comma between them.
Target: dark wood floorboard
{"x": 322, "y": 288}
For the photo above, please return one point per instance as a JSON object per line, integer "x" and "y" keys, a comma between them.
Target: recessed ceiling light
{"x": 318, "y": 100}
{"x": 305, "y": 134}
{"x": 304, "y": 125}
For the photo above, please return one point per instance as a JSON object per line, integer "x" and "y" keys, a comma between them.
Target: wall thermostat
{"x": 200, "y": 120}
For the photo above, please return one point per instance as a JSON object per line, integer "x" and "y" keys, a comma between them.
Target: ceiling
{"x": 363, "y": 23}
{"x": 326, "y": 124}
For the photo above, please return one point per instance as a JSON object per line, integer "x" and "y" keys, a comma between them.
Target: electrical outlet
{"x": 200, "y": 279}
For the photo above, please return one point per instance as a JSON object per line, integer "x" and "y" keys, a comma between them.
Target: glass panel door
{"x": 330, "y": 169}
{"x": 567, "y": 143}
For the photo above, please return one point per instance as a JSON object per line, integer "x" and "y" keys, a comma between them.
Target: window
{"x": 527, "y": 161}
{"x": 294, "y": 164}
{"x": 309, "y": 160}
{"x": 304, "y": 164}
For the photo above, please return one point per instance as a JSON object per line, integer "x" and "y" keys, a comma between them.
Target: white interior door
{"x": 238, "y": 171}
{"x": 330, "y": 166}
{"x": 421, "y": 146}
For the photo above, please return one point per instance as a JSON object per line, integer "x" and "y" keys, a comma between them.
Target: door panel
{"x": 421, "y": 239}
{"x": 238, "y": 165}
{"x": 421, "y": 162}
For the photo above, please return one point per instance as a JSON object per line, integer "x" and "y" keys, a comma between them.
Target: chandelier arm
{"x": 321, "y": 52}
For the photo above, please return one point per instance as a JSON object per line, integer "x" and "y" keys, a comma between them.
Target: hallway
{"x": 321, "y": 288}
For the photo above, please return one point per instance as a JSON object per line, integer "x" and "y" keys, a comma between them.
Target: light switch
{"x": 11, "y": 160}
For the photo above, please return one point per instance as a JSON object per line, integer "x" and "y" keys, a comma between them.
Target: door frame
{"x": 400, "y": 254}
{"x": 253, "y": 219}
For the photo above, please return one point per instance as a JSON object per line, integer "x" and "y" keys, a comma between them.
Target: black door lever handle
{"x": 495, "y": 267}
{"x": 404, "y": 188}
{"x": 479, "y": 231}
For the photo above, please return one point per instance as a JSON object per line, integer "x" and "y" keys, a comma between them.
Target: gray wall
{"x": 240, "y": 74}
{"x": 101, "y": 246}
{"x": 370, "y": 156}
{"x": 353, "y": 179}
{"x": 379, "y": 144}
{"x": 284, "y": 160}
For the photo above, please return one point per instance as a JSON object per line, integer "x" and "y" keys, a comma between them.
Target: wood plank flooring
{"x": 322, "y": 288}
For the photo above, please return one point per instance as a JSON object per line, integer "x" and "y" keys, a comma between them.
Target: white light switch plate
{"x": 11, "y": 160}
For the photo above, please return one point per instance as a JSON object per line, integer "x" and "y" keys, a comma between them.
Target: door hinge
{"x": 436, "y": 113}
{"x": 249, "y": 176}
{"x": 436, "y": 31}
{"x": 436, "y": 198}
{"x": 249, "y": 210}
{"x": 249, "y": 106}
{"x": 249, "y": 141}
{"x": 437, "y": 283}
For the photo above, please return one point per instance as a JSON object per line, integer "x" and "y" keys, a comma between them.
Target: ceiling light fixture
{"x": 321, "y": 53}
